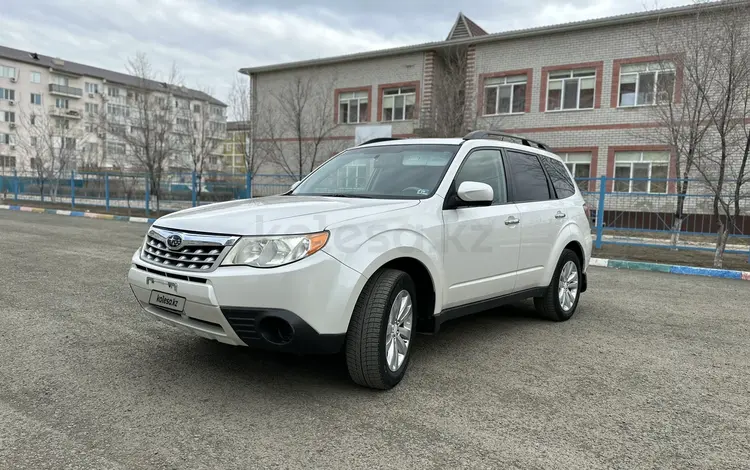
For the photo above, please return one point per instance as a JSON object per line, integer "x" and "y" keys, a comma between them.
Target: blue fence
{"x": 624, "y": 211}
{"x": 643, "y": 212}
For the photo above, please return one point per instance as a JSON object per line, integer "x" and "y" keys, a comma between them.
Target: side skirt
{"x": 484, "y": 305}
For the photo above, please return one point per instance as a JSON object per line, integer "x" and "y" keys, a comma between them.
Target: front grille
{"x": 194, "y": 253}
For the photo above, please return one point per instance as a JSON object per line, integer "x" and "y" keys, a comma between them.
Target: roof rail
{"x": 502, "y": 135}
{"x": 379, "y": 139}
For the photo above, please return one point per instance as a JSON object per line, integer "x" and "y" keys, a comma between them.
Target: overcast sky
{"x": 211, "y": 39}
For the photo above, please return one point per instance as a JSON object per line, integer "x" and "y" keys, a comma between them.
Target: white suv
{"x": 382, "y": 241}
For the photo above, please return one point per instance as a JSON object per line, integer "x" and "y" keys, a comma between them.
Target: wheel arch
{"x": 569, "y": 240}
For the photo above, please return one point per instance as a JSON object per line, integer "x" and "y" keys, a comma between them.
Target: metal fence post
{"x": 106, "y": 191}
{"x": 148, "y": 194}
{"x": 249, "y": 184}
{"x": 194, "y": 194}
{"x": 15, "y": 185}
{"x": 600, "y": 212}
{"x": 72, "y": 189}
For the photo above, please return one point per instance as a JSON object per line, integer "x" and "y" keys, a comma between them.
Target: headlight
{"x": 272, "y": 251}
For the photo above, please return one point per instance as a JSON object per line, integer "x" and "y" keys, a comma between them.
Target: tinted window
{"x": 564, "y": 186}
{"x": 529, "y": 181}
{"x": 485, "y": 166}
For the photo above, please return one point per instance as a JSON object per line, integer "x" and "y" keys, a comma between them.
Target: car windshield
{"x": 410, "y": 171}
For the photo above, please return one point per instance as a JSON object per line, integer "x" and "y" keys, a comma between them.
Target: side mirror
{"x": 472, "y": 193}
{"x": 295, "y": 185}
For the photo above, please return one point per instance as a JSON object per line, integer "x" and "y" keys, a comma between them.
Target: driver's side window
{"x": 485, "y": 166}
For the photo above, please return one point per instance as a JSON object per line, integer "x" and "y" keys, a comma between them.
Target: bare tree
{"x": 205, "y": 132}
{"x": 244, "y": 112}
{"x": 447, "y": 116}
{"x": 143, "y": 120}
{"x": 722, "y": 159}
{"x": 302, "y": 118}
{"x": 52, "y": 144}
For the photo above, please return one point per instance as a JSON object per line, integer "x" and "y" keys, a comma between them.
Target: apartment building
{"x": 586, "y": 89}
{"x": 88, "y": 110}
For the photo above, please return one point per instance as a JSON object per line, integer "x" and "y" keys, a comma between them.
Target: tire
{"x": 550, "y": 306}
{"x": 369, "y": 328}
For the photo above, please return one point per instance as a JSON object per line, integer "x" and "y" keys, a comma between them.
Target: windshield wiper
{"x": 344, "y": 195}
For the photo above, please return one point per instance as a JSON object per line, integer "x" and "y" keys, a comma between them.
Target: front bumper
{"x": 303, "y": 307}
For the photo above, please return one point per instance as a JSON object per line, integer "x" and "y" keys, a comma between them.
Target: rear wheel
{"x": 380, "y": 335}
{"x": 560, "y": 301}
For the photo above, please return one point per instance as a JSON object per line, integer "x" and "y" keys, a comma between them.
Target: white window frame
{"x": 657, "y": 68}
{"x": 37, "y": 75}
{"x": 60, "y": 80}
{"x": 31, "y": 97}
{"x": 9, "y": 159}
{"x": 9, "y": 116}
{"x": 571, "y": 160}
{"x": 6, "y": 71}
{"x": 511, "y": 82}
{"x": 393, "y": 96}
{"x": 62, "y": 101}
{"x": 8, "y": 94}
{"x": 631, "y": 165}
{"x": 351, "y": 173}
{"x": 564, "y": 76}
{"x": 92, "y": 87}
{"x": 358, "y": 97}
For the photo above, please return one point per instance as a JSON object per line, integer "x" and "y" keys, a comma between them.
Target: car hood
{"x": 276, "y": 214}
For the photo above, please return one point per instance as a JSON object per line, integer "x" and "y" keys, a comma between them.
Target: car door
{"x": 538, "y": 213}
{"x": 481, "y": 243}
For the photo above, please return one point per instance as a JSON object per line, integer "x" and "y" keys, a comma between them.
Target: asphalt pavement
{"x": 653, "y": 371}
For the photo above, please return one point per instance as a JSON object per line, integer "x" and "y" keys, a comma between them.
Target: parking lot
{"x": 652, "y": 372}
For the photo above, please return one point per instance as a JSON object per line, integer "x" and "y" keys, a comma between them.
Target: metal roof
{"x": 73, "y": 68}
{"x": 503, "y": 36}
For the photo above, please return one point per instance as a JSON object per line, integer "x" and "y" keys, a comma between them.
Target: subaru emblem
{"x": 174, "y": 242}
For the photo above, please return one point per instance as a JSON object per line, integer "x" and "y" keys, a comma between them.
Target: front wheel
{"x": 560, "y": 301}
{"x": 380, "y": 335}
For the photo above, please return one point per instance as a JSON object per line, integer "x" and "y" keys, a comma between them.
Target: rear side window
{"x": 529, "y": 180}
{"x": 564, "y": 186}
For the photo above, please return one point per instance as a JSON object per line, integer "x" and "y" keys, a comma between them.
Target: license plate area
{"x": 167, "y": 301}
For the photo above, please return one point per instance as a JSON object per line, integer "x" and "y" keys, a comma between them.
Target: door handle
{"x": 512, "y": 221}
{"x": 559, "y": 215}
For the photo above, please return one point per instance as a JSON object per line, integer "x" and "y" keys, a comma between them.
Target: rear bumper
{"x": 290, "y": 309}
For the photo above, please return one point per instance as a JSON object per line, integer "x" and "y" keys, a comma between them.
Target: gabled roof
{"x": 504, "y": 36}
{"x": 465, "y": 28}
{"x": 73, "y": 68}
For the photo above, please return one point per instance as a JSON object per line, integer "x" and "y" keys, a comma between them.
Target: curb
{"x": 670, "y": 268}
{"x": 88, "y": 215}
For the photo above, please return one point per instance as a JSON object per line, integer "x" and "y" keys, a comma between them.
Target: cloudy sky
{"x": 211, "y": 39}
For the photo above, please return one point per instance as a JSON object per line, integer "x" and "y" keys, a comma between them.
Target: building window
{"x": 9, "y": 116}
{"x": 637, "y": 169}
{"x": 92, "y": 87}
{"x": 115, "y": 148}
{"x": 62, "y": 103}
{"x": 213, "y": 160}
{"x": 646, "y": 84}
{"x": 32, "y": 120}
{"x": 579, "y": 165}
{"x": 7, "y": 94}
{"x": 399, "y": 103}
{"x": 573, "y": 89}
{"x": 33, "y": 141}
{"x": 60, "y": 80}
{"x": 505, "y": 95}
{"x": 92, "y": 108}
{"x": 118, "y": 110}
{"x": 92, "y": 148}
{"x": 62, "y": 124}
{"x": 7, "y": 72}
{"x": 35, "y": 98}
{"x": 354, "y": 107}
{"x": 113, "y": 92}
{"x": 36, "y": 77}
{"x": 196, "y": 108}
{"x": 69, "y": 143}
{"x": 7, "y": 161}
{"x": 7, "y": 139}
